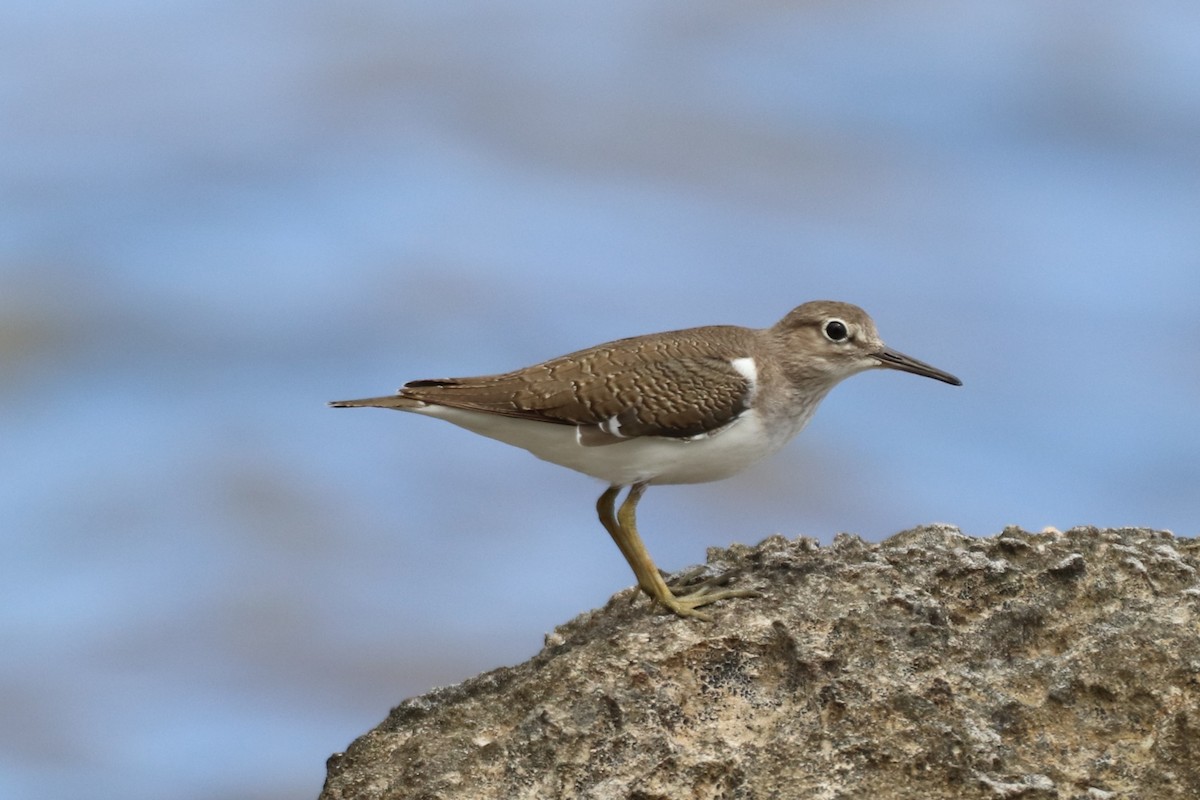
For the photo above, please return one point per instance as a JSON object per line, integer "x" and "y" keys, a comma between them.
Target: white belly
{"x": 652, "y": 459}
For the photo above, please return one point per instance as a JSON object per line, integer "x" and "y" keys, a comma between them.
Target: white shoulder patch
{"x": 747, "y": 369}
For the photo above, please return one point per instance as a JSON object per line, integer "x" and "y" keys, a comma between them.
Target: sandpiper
{"x": 684, "y": 406}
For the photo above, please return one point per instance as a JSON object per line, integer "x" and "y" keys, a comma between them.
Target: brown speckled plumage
{"x": 675, "y": 384}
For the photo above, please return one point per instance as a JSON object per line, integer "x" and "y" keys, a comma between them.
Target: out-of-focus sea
{"x": 215, "y": 217}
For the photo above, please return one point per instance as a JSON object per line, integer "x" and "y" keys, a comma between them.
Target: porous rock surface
{"x": 930, "y": 665}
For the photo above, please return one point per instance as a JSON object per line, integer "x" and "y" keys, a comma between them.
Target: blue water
{"x": 216, "y": 217}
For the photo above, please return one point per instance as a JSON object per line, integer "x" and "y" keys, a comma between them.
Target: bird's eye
{"x": 835, "y": 331}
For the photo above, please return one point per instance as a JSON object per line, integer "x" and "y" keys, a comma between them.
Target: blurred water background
{"x": 216, "y": 216}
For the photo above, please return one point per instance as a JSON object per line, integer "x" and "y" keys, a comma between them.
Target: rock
{"x": 930, "y": 665}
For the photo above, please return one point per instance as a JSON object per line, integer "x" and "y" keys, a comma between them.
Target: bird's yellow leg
{"x": 606, "y": 507}
{"x": 623, "y": 529}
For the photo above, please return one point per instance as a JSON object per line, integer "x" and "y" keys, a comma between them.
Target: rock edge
{"x": 932, "y": 665}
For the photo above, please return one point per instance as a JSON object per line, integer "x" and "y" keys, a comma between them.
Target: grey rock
{"x": 930, "y": 665}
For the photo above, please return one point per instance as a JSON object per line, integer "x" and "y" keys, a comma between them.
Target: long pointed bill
{"x": 891, "y": 359}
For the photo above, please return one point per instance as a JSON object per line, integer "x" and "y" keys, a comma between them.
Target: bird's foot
{"x": 685, "y": 605}
{"x": 699, "y": 593}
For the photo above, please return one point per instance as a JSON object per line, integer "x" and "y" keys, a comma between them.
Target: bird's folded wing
{"x": 610, "y": 393}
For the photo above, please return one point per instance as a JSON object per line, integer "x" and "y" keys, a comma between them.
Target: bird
{"x": 677, "y": 407}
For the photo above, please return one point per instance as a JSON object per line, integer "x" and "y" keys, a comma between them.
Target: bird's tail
{"x": 387, "y": 401}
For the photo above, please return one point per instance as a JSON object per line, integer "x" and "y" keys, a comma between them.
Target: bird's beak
{"x": 887, "y": 357}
